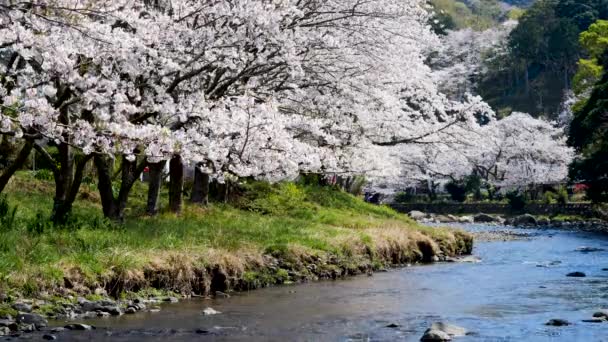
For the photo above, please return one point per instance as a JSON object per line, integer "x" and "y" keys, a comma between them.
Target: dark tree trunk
{"x": 104, "y": 185}
{"x": 16, "y": 164}
{"x": 155, "y": 178}
{"x": 200, "y": 188}
{"x": 114, "y": 207}
{"x": 64, "y": 178}
{"x": 176, "y": 183}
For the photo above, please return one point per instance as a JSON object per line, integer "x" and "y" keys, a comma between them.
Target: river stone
{"x": 58, "y": 329}
{"x": 485, "y": 218}
{"x": 576, "y": 275}
{"x": 557, "y": 322}
{"x": 602, "y": 313}
{"x": 586, "y": 249}
{"x": 6, "y": 322}
{"x": 28, "y": 328}
{"x": 522, "y": 220}
{"x": 392, "y": 325}
{"x": 444, "y": 219}
{"x": 49, "y": 337}
{"x": 113, "y": 310}
{"x": 210, "y": 311}
{"x": 595, "y": 320}
{"x": 466, "y": 219}
{"x": 130, "y": 310}
{"x": 79, "y": 326}
{"x": 431, "y": 335}
{"x": 22, "y": 307}
{"x": 87, "y": 305}
{"x": 450, "y": 329}
{"x": 417, "y": 215}
{"x": 4, "y": 331}
{"x": 543, "y": 221}
{"x": 171, "y": 299}
{"x": 31, "y": 318}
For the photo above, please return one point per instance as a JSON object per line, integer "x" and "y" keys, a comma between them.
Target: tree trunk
{"x": 176, "y": 184}
{"x": 200, "y": 188}
{"x": 104, "y": 185}
{"x": 16, "y": 164}
{"x": 114, "y": 207}
{"x": 155, "y": 178}
{"x": 64, "y": 178}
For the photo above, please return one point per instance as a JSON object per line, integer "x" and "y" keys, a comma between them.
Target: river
{"x": 508, "y": 296}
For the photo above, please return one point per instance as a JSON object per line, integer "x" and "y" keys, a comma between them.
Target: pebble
{"x": 210, "y": 311}
{"x": 79, "y": 326}
{"x": 49, "y": 337}
{"x": 576, "y": 275}
{"x": 557, "y": 322}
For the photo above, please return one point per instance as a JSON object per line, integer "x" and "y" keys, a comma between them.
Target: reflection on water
{"x": 507, "y": 297}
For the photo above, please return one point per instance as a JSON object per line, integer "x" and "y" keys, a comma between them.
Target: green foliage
{"x": 588, "y": 134}
{"x": 8, "y": 215}
{"x": 517, "y": 200}
{"x": 544, "y": 52}
{"x": 457, "y": 190}
{"x": 457, "y": 14}
{"x": 43, "y": 174}
{"x": 550, "y": 197}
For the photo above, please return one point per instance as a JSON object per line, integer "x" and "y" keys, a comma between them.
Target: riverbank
{"x": 564, "y": 222}
{"x": 278, "y": 235}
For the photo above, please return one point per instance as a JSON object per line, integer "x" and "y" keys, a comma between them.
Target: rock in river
{"x": 522, "y": 220}
{"x": 435, "y": 336}
{"x": 603, "y": 313}
{"x": 210, "y": 311}
{"x": 485, "y": 218}
{"x": 79, "y": 326}
{"x": 557, "y": 322}
{"x": 30, "y": 318}
{"x": 450, "y": 329}
{"x": 576, "y": 275}
{"x": 586, "y": 249}
{"x": 417, "y": 215}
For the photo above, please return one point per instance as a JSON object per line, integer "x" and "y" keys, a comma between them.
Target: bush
{"x": 517, "y": 200}
{"x": 404, "y": 197}
{"x": 457, "y": 191}
{"x": 549, "y": 197}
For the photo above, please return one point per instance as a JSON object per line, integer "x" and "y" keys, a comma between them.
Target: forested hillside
{"x": 543, "y": 54}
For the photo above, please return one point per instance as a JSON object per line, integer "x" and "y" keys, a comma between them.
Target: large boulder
{"x": 522, "y": 220}
{"x": 485, "y": 218}
{"x": 31, "y": 318}
{"x": 450, "y": 329}
{"x": 435, "y": 336}
{"x": 558, "y": 322}
{"x": 466, "y": 219}
{"x": 417, "y": 215}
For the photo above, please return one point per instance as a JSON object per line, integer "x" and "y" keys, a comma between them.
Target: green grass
{"x": 90, "y": 250}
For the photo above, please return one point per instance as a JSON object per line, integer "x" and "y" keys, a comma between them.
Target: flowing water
{"x": 508, "y": 296}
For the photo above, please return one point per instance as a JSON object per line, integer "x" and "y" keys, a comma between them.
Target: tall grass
{"x": 35, "y": 255}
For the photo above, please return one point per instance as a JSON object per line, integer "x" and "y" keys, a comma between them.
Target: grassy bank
{"x": 272, "y": 235}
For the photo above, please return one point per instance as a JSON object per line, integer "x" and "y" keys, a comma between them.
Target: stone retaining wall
{"x": 581, "y": 209}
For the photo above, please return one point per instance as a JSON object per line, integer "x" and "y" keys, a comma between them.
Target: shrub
{"x": 549, "y": 197}
{"x": 517, "y": 200}
{"x": 404, "y": 197}
{"x": 457, "y": 191}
